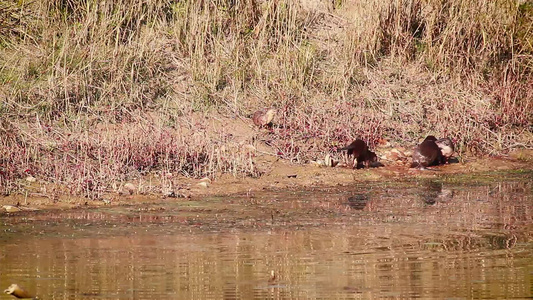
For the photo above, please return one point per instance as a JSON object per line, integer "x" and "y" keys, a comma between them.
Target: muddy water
{"x": 444, "y": 238}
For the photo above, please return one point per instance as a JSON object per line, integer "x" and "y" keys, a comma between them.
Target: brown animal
{"x": 19, "y": 292}
{"x": 427, "y": 154}
{"x": 361, "y": 154}
{"x": 446, "y": 148}
{"x": 264, "y": 117}
{"x": 367, "y": 159}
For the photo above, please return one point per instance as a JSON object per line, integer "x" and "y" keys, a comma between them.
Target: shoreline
{"x": 282, "y": 175}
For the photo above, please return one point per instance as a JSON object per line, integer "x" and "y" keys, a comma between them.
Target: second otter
{"x": 427, "y": 154}
{"x": 361, "y": 154}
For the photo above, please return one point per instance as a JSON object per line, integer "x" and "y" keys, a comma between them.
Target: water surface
{"x": 445, "y": 238}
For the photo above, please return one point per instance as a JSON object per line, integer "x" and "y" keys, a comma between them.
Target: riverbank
{"x": 119, "y": 98}
{"x": 278, "y": 174}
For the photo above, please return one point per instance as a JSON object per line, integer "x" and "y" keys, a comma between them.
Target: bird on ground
{"x": 264, "y": 117}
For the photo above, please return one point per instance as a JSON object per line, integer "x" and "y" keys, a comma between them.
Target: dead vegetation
{"x": 100, "y": 91}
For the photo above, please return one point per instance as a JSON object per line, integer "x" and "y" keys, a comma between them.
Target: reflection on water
{"x": 423, "y": 240}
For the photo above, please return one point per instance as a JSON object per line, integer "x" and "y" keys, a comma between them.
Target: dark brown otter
{"x": 361, "y": 154}
{"x": 368, "y": 158}
{"x": 427, "y": 154}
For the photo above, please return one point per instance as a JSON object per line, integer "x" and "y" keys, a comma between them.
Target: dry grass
{"x": 396, "y": 69}
{"x": 94, "y": 161}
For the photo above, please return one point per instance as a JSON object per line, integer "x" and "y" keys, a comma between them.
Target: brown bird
{"x": 427, "y": 154}
{"x": 361, "y": 154}
{"x": 446, "y": 148}
{"x": 264, "y": 117}
{"x": 19, "y": 292}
